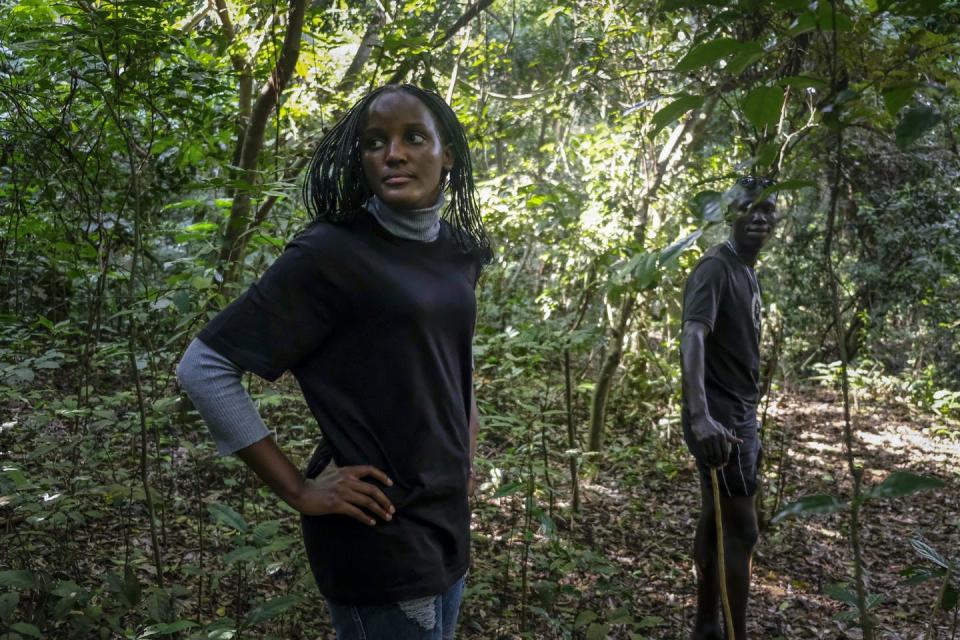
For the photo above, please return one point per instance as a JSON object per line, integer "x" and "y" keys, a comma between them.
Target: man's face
{"x": 754, "y": 223}
{"x": 402, "y": 153}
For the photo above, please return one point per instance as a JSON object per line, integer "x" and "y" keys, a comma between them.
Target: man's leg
{"x": 707, "y": 624}
{"x": 740, "y": 535}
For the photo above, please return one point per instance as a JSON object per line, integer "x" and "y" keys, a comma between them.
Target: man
{"x": 720, "y": 355}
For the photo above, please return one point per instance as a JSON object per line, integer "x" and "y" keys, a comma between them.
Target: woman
{"x": 372, "y": 309}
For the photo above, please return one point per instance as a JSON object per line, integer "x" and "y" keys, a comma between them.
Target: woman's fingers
{"x": 375, "y": 500}
{"x": 348, "y": 509}
{"x": 365, "y": 470}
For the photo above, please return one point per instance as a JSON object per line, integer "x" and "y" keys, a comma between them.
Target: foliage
{"x": 604, "y": 137}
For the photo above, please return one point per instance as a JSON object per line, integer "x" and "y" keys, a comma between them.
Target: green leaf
{"x": 804, "y": 23}
{"x": 26, "y": 629}
{"x": 264, "y": 532}
{"x": 708, "y": 206}
{"x": 897, "y": 97}
{"x": 620, "y": 615}
{"x": 241, "y": 554}
{"x": 642, "y": 271}
{"x": 584, "y": 618}
{"x": 950, "y": 598}
{"x": 750, "y": 53}
{"x": 902, "y": 483}
{"x": 225, "y": 515}
{"x": 707, "y": 53}
{"x": 917, "y": 575}
{"x": 598, "y": 631}
{"x": 805, "y": 82}
{"x": 670, "y": 255}
{"x": 842, "y": 592}
{"x": 766, "y": 154}
{"x": 18, "y": 579}
{"x": 272, "y": 608}
{"x": 915, "y": 123}
{"x": 167, "y": 628}
{"x": 507, "y": 489}
{"x": 8, "y": 604}
{"x": 927, "y": 552}
{"x": 673, "y": 111}
{"x": 648, "y": 622}
{"x": 762, "y": 106}
{"x": 810, "y": 505}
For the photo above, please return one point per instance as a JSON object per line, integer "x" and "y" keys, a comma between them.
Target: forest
{"x": 151, "y": 165}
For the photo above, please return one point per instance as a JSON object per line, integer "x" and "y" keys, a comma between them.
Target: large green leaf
{"x": 902, "y": 483}
{"x": 272, "y": 608}
{"x": 641, "y": 270}
{"x": 673, "y": 111}
{"x": 18, "y": 579}
{"x": 762, "y": 106}
{"x": 842, "y": 592}
{"x": 810, "y": 505}
{"x": 897, "y": 97}
{"x": 26, "y": 629}
{"x": 670, "y": 255}
{"x": 916, "y": 122}
{"x": 951, "y": 595}
{"x": 750, "y": 53}
{"x": 707, "y": 53}
{"x": 226, "y": 515}
{"x": 708, "y": 206}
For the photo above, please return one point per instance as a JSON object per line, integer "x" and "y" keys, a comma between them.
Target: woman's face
{"x": 402, "y": 154}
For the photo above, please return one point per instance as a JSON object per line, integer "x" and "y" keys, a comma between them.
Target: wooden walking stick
{"x": 724, "y": 597}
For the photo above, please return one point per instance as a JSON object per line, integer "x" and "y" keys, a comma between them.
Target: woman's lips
{"x": 396, "y": 181}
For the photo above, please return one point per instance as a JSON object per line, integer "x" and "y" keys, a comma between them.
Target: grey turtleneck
{"x": 213, "y": 382}
{"x": 412, "y": 224}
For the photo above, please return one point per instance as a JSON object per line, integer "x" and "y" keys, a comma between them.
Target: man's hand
{"x": 341, "y": 490}
{"x": 713, "y": 440}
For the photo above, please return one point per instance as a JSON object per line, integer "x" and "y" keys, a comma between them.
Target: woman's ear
{"x": 447, "y": 158}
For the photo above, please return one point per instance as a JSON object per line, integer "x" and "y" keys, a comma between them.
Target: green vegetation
{"x": 150, "y": 156}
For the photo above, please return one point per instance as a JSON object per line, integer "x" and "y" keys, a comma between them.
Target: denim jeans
{"x": 429, "y": 618}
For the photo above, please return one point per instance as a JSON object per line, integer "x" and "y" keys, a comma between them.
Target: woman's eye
{"x": 373, "y": 144}
{"x": 417, "y": 138}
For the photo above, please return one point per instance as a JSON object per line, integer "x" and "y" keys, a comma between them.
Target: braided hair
{"x": 335, "y": 189}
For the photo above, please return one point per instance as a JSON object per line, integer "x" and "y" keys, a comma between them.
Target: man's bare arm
{"x": 713, "y": 438}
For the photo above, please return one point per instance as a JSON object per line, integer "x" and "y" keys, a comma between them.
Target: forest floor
{"x": 620, "y": 569}
{"x": 643, "y": 526}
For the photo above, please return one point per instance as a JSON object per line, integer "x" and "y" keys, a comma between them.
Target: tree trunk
{"x": 237, "y": 232}
{"x": 598, "y": 408}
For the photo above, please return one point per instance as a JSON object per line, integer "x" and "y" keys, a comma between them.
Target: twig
{"x": 721, "y": 560}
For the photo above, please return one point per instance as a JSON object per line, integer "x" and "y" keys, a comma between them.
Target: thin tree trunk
{"x": 237, "y": 232}
{"x": 866, "y": 623}
{"x": 598, "y": 407}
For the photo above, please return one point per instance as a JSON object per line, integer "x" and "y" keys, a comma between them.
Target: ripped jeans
{"x": 429, "y": 618}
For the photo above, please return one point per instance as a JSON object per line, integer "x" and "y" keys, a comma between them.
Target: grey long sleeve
{"x": 213, "y": 383}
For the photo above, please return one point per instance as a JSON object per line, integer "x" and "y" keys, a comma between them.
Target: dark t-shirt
{"x": 723, "y": 293}
{"x": 377, "y": 330}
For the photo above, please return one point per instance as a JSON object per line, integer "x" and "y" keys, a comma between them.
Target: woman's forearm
{"x": 275, "y": 469}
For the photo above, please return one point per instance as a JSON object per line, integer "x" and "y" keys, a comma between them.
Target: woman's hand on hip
{"x": 341, "y": 490}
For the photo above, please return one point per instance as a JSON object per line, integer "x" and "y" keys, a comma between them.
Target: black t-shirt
{"x": 723, "y": 293}
{"x": 377, "y": 331}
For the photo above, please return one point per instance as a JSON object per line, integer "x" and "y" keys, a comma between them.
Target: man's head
{"x": 751, "y": 213}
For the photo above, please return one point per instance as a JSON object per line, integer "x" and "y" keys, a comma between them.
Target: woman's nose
{"x": 395, "y": 151}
